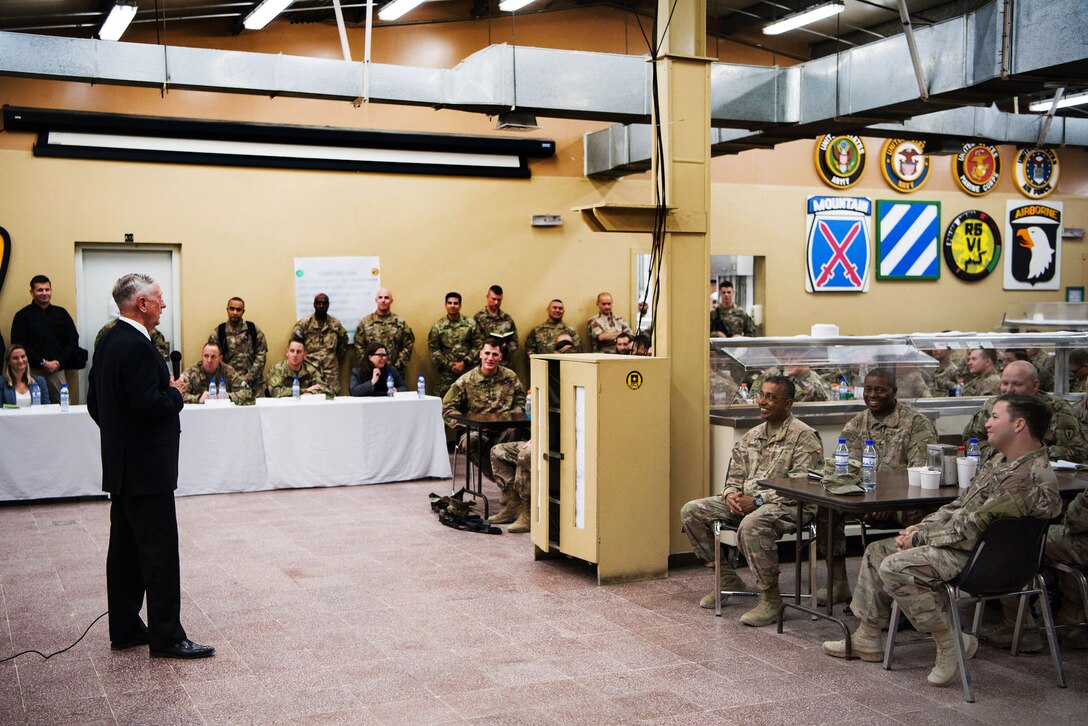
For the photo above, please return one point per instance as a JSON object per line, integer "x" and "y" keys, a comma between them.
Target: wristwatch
{"x": 758, "y": 499}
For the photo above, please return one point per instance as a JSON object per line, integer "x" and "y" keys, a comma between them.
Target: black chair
{"x": 1008, "y": 556}
{"x": 1080, "y": 574}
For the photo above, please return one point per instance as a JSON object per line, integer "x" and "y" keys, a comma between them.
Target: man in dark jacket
{"x": 50, "y": 337}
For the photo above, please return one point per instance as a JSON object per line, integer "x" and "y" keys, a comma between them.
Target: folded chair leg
{"x": 718, "y": 569}
{"x": 976, "y": 621}
{"x": 965, "y": 677}
{"x": 1051, "y": 634}
{"x": 893, "y": 628}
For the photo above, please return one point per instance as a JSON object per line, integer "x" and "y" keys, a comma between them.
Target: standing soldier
{"x": 541, "y": 339}
{"x": 729, "y": 319}
{"x": 452, "y": 341}
{"x": 494, "y": 322}
{"x": 243, "y": 345}
{"x": 325, "y": 340}
{"x": 604, "y": 327}
{"x": 382, "y": 326}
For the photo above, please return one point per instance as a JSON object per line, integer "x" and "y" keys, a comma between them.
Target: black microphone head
{"x": 175, "y": 363}
{"x": 175, "y": 356}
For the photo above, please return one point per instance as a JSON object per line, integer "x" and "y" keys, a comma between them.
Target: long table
{"x": 277, "y": 444}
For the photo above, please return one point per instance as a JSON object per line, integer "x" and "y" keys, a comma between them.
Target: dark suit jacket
{"x": 136, "y": 410}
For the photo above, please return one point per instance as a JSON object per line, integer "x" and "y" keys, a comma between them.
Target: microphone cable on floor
{"x": 47, "y": 657}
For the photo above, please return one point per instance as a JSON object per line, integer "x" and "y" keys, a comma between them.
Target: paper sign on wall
{"x": 350, "y": 282}
{"x": 837, "y": 253}
{"x": 1033, "y": 236}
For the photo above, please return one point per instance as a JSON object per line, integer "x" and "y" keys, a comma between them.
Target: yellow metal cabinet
{"x": 600, "y": 480}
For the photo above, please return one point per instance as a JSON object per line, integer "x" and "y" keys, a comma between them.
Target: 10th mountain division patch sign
{"x": 837, "y": 257}
{"x": 1034, "y": 258}
{"x": 972, "y": 245}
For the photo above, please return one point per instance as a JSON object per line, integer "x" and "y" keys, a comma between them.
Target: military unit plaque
{"x": 977, "y": 168}
{"x": 1034, "y": 258}
{"x": 908, "y": 236}
{"x": 904, "y": 164}
{"x": 1036, "y": 172}
{"x": 840, "y": 160}
{"x": 972, "y": 245}
{"x": 837, "y": 249}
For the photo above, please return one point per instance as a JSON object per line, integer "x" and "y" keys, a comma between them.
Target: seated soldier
{"x": 985, "y": 380}
{"x": 511, "y": 462}
{"x": 947, "y": 374}
{"x": 1013, "y": 354}
{"x": 809, "y": 386}
{"x": 1067, "y": 544}
{"x": 625, "y": 343}
{"x": 782, "y": 445}
{"x": 311, "y": 378}
{"x": 212, "y": 368}
{"x": 488, "y": 388}
{"x": 565, "y": 344}
{"x": 1017, "y": 483}
{"x": 900, "y": 435}
{"x": 1078, "y": 370}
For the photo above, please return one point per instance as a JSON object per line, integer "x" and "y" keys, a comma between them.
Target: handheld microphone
{"x": 175, "y": 363}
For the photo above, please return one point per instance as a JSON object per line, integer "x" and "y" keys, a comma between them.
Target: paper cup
{"x": 965, "y": 469}
{"x": 914, "y": 475}
{"x": 931, "y": 478}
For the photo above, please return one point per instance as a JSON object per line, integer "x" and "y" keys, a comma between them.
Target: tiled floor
{"x": 354, "y": 606}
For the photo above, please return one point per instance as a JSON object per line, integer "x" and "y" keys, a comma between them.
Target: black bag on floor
{"x": 453, "y": 511}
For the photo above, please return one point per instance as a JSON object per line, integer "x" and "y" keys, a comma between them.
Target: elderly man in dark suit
{"x": 135, "y": 402}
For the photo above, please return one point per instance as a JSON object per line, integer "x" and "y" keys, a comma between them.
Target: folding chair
{"x": 1008, "y": 555}
{"x": 726, "y": 534}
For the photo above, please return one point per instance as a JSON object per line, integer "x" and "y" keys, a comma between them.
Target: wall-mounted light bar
{"x": 805, "y": 17}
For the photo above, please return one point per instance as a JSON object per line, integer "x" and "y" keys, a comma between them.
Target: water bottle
{"x": 957, "y": 390}
{"x": 296, "y": 391}
{"x": 973, "y": 450}
{"x": 35, "y": 394}
{"x": 213, "y": 392}
{"x": 868, "y": 466}
{"x": 390, "y": 388}
{"x": 744, "y": 393}
{"x": 222, "y": 389}
{"x": 844, "y": 389}
{"x": 529, "y": 406}
{"x": 842, "y": 458}
{"x": 421, "y": 387}
{"x": 64, "y": 398}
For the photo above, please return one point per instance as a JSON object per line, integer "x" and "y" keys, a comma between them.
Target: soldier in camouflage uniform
{"x": 1017, "y": 483}
{"x": 489, "y": 388}
{"x": 541, "y": 339}
{"x": 244, "y": 346}
{"x": 912, "y": 384}
{"x": 900, "y": 435}
{"x": 1067, "y": 544}
{"x": 1063, "y": 438}
{"x": 985, "y": 380}
{"x": 1078, "y": 371}
{"x": 156, "y": 337}
{"x": 723, "y": 389}
{"x": 311, "y": 378}
{"x": 493, "y": 321}
{"x": 949, "y": 371}
{"x": 452, "y": 341}
{"x": 511, "y": 464}
{"x": 382, "y": 326}
{"x": 1044, "y": 364}
{"x": 212, "y": 368}
{"x": 782, "y": 445}
{"x": 810, "y": 387}
{"x": 1080, "y": 410}
{"x": 728, "y": 319}
{"x": 325, "y": 339}
{"x": 604, "y": 327}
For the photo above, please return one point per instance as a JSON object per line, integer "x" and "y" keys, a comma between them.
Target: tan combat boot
{"x": 728, "y": 580}
{"x": 1000, "y": 635}
{"x": 840, "y": 588}
{"x": 522, "y": 523}
{"x": 766, "y": 612}
{"x": 866, "y": 644}
{"x": 947, "y": 664}
{"x": 510, "y": 508}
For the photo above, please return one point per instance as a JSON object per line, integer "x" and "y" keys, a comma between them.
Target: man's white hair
{"x": 129, "y": 287}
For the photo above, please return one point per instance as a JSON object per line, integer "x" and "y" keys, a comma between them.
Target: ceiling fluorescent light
{"x": 263, "y": 14}
{"x": 397, "y": 8}
{"x": 117, "y": 21}
{"x": 1075, "y": 99}
{"x": 804, "y": 17}
{"x": 509, "y": 6}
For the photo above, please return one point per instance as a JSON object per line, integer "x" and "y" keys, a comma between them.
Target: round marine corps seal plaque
{"x": 1036, "y": 172}
{"x": 904, "y": 164}
{"x": 977, "y": 168}
{"x": 840, "y": 160}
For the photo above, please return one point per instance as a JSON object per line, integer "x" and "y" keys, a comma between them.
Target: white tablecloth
{"x": 279, "y": 443}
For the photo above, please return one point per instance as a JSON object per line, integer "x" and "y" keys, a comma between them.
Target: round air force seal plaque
{"x": 972, "y": 245}
{"x": 840, "y": 160}
{"x": 904, "y": 165}
{"x": 977, "y": 168}
{"x": 1036, "y": 172}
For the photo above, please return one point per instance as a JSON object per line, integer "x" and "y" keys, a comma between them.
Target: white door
{"x": 97, "y": 269}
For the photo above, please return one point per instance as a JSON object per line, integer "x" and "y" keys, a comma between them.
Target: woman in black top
{"x": 370, "y": 378}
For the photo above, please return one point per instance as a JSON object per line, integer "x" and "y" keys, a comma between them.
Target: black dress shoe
{"x": 139, "y": 639}
{"x": 184, "y": 649}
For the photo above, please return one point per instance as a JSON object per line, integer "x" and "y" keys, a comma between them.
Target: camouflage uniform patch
{"x": 734, "y": 319}
{"x": 197, "y": 380}
{"x": 912, "y": 385}
{"x": 326, "y": 343}
{"x": 476, "y": 393}
{"x": 810, "y": 387}
{"x": 983, "y": 385}
{"x": 243, "y": 355}
{"x": 511, "y": 465}
{"x": 541, "y": 339}
{"x": 1067, "y": 543}
{"x": 500, "y": 325}
{"x": 602, "y": 324}
{"x": 452, "y": 342}
{"x": 943, "y": 380}
{"x": 1063, "y": 439}
{"x": 392, "y": 332}
{"x": 281, "y": 378}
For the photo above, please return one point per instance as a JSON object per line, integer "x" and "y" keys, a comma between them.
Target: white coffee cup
{"x": 966, "y": 466}
{"x": 931, "y": 478}
{"x": 914, "y": 475}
